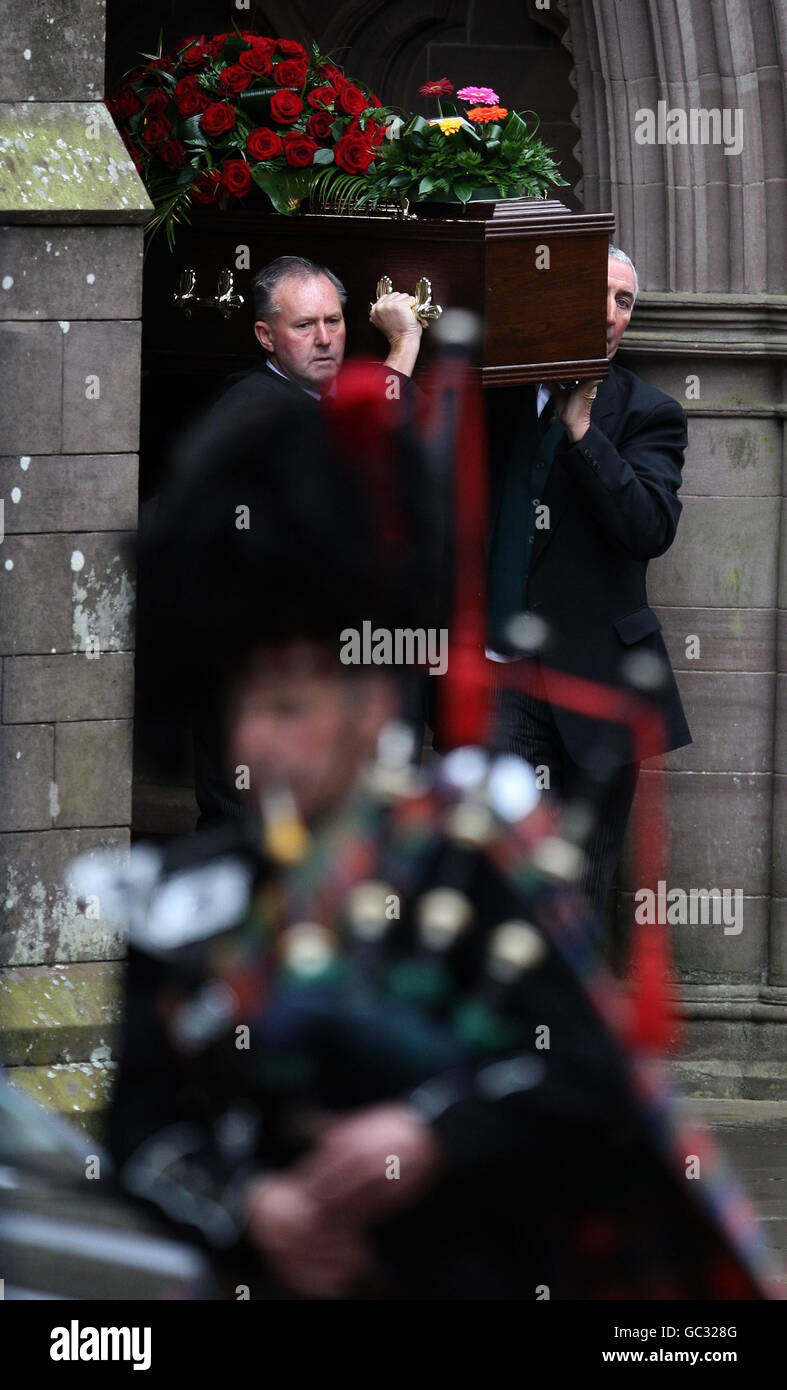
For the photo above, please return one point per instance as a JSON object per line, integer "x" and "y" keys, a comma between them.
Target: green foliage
{"x": 427, "y": 161}
{"x": 286, "y": 188}
{"x": 171, "y": 209}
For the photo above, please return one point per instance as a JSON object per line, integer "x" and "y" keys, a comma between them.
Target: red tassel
{"x": 653, "y": 1026}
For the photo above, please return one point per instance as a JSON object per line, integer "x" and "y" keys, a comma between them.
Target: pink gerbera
{"x": 439, "y": 88}
{"x": 479, "y": 96}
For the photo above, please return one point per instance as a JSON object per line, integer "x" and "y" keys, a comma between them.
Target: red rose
{"x": 173, "y": 153}
{"x": 321, "y": 97}
{"x": 197, "y": 57}
{"x": 286, "y": 107}
{"x": 189, "y": 97}
{"x": 372, "y": 100}
{"x": 217, "y": 119}
{"x": 216, "y": 44}
{"x": 255, "y": 60}
{"x": 292, "y": 49}
{"x": 126, "y": 103}
{"x": 260, "y": 42}
{"x": 235, "y": 177}
{"x": 236, "y": 79}
{"x": 299, "y": 150}
{"x": 334, "y": 75}
{"x": 156, "y": 130}
{"x": 353, "y": 153}
{"x": 263, "y": 143}
{"x": 289, "y": 74}
{"x": 319, "y": 125}
{"x": 352, "y": 100}
{"x": 165, "y": 64}
{"x": 374, "y": 134}
{"x": 156, "y": 102}
{"x": 207, "y": 187}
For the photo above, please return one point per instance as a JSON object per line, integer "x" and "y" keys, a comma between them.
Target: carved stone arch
{"x": 696, "y": 219}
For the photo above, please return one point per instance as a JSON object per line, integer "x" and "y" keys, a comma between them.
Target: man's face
{"x": 620, "y": 302}
{"x": 305, "y": 339}
{"x": 311, "y": 731}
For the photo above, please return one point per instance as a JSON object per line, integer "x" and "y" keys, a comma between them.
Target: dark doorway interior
{"x": 395, "y": 47}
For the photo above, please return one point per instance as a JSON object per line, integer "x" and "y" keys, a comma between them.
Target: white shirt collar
{"x": 315, "y": 395}
{"x": 544, "y": 395}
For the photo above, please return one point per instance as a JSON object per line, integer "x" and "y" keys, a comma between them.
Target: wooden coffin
{"x": 534, "y": 271}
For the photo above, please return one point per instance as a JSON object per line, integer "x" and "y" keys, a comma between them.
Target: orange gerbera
{"x": 487, "y": 113}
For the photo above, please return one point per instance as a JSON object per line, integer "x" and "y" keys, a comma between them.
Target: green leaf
{"x": 191, "y": 132}
{"x": 425, "y": 186}
{"x": 515, "y": 128}
{"x": 255, "y": 104}
{"x": 243, "y": 98}
{"x": 286, "y": 188}
{"x": 463, "y": 189}
{"x": 323, "y": 157}
{"x": 416, "y": 126}
{"x": 233, "y": 47}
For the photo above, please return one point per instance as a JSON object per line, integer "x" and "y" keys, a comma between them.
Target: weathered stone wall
{"x": 71, "y": 208}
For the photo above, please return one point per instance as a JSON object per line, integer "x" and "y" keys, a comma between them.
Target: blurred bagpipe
{"x": 415, "y": 943}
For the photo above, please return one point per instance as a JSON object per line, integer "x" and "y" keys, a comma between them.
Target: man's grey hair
{"x": 266, "y": 282}
{"x": 618, "y": 255}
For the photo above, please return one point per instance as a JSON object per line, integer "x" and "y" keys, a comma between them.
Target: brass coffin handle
{"x": 184, "y": 297}
{"x": 425, "y": 311}
{"x": 225, "y": 300}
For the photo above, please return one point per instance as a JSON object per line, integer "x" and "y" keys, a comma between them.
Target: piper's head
{"x": 295, "y": 717}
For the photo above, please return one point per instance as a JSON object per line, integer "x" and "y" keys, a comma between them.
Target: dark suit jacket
{"x": 259, "y": 384}
{"x": 613, "y": 506}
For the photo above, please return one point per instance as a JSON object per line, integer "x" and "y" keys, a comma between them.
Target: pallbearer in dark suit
{"x": 584, "y": 493}
{"x": 300, "y": 328}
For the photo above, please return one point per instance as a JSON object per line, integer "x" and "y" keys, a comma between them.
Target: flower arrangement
{"x": 221, "y": 116}
{"x": 485, "y": 149}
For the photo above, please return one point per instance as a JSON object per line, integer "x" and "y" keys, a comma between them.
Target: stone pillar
{"x": 71, "y": 209}
{"x": 705, "y": 229}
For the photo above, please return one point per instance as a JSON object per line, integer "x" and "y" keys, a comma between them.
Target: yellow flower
{"x": 448, "y": 124}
